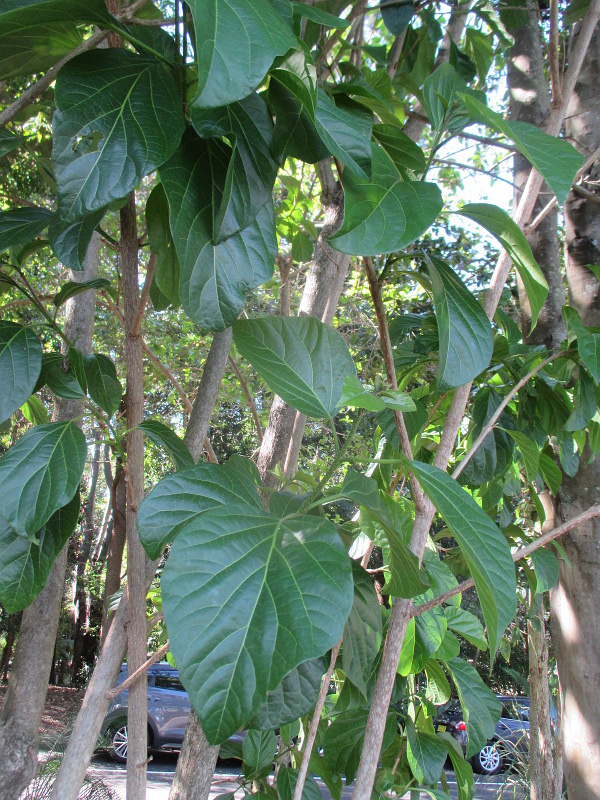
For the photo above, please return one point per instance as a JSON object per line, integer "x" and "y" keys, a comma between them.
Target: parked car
{"x": 168, "y": 711}
{"x": 511, "y": 733}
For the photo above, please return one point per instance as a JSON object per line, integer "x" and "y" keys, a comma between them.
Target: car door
{"x": 169, "y": 705}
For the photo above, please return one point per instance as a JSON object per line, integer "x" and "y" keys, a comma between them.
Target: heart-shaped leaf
{"x": 283, "y": 591}
{"x": 20, "y": 365}
{"x": 300, "y": 358}
{"x": 295, "y": 696}
{"x": 107, "y": 102}
{"x": 39, "y": 474}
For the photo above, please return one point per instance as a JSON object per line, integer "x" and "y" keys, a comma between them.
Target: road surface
{"x": 162, "y": 769}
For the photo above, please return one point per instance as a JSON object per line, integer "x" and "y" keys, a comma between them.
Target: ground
{"x": 62, "y": 705}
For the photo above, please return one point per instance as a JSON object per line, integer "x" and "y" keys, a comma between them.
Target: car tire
{"x": 118, "y": 740}
{"x": 489, "y": 760}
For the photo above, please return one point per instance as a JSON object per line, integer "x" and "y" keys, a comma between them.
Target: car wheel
{"x": 488, "y": 760}
{"x": 118, "y": 741}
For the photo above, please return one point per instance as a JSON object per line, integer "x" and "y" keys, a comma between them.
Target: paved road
{"x": 162, "y": 768}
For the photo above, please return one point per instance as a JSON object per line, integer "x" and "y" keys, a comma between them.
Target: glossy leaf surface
{"x": 20, "y": 365}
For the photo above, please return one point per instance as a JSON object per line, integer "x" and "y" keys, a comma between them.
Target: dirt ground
{"x": 62, "y": 704}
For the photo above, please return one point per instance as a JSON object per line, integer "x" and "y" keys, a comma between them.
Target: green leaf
{"x": 465, "y": 334}
{"x": 430, "y": 630}
{"x": 481, "y": 708}
{"x": 72, "y": 288}
{"x": 438, "y": 689}
{"x": 107, "y": 102}
{"x": 295, "y": 696}
{"x": 39, "y": 474}
{"x": 406, "y": 578}
{"x": 529, "y": 451}
{"x": 20, "y": 225}
{"x": 449, "y": 648}
{"x": 585, "y": 404}
{"x": 9, "y": 141}
{"x": 511, "y": 237}
{"x": 290, "y": 577}
{"x": 297, "y": 74}
{"x": 103, "y": 384}
{"x": 439, "y": 94}
{"x": 343, "y": 740}
{"x": 163, "y": 435}
{"x": 214, "y": 278}
{"x": 384, "y": 214}
{"x": 550, "y": 473}
{"x": 34, "y": 411}
{"x": 546, "y": 569}
{"x": 345, "y": 129}
{"x": 259, "y": 749}
{"x": 166, "y": 268}
{"x": 295, "y": 133}
{"x": 355, "y": 395}
{"x": 251, "y": 171}
{"x": 235, "y": 47}
{"x": 405, "y": 154}
{"x": 180, "y": 498}
{"x": 555, "y": 159}
{"x": 483, "y": 546}
{"x": 17, "y": 13}
{"x": 35, "y": 48}
{"x": 361, "y": 489}
{"x": 467, "y": 625}
{"x": 26, "y": 564}
{"x": 61, "y": 376}
{"x": 408, "y": 649}
{"x": 301, "y": 359}
{"x": 20, "y": 365}
{"x": 70, "y": 242}
{"x": 362, "y": 633}
{"x": 396, "y": 16}
{"x": 319, "y": 16}
{"x": 287, "y": 778}
{"x": 426, "y": 754}
{"x": 463, "y": 772}
{"x": 588, "y": 343}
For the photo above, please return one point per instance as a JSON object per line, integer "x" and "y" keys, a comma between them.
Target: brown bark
{"x": 116, "y": 546}
{"x": 137, "y": 636}
{"x": 26, "y": 695}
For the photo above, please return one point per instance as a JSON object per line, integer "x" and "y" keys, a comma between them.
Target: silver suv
{"x": 168, "y": 711}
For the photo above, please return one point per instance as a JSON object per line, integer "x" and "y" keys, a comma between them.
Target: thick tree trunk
{"x": 93, "y": 710}
{"x": 575, "y": 627}
{"x": 530, "y": 102}
{"x": 26, "y": 695}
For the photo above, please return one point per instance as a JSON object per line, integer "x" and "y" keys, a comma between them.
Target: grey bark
{"x": 530, "y": 102}
{"x": 88, "y": 724}
{"x": 26, "y": 695}
{"x": 575, "y": 600}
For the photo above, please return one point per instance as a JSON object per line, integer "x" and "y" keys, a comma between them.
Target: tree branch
{"x": 139, "y": 672}
{"x": 251, "y": 403}
{"x": 137, "y": 324}
{"x": 591, "y": 513}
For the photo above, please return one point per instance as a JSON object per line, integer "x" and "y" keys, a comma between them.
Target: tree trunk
{"x": 575, "y": 600}
{"x": 11, "y": 633}
{"x": 93, "y": 710}
{"x": 116, "y": 545}
{"x": 83, "y": 556}
{"x": 542, "y": 774}
{"x": 26, "y": 695}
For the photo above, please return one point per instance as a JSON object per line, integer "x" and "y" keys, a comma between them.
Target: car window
{"x": 167, "y": 680}
{"x": 514, "y": 710}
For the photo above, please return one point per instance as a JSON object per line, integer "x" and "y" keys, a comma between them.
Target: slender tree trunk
{"x": 83, "y": 556}
{"x": 95, "y": 702}
{"x": 25, "y": 699}
{"x": 542, "y": 775}
{"x": 116, "y": 546}
{"x": 575, "y": 600}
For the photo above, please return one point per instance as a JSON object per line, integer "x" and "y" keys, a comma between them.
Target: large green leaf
{"x": 25, "y": 564}
{"x": 33, "y": 47}
{"x": 384, "y": 214}
{"x": 295, "y": 133}
{"x": 103, "y": 385}
{"x": 73, "y": 288}
{"x": 439, "y": 94}
{"x": 343, "y": 740}
{"x": 236, "y": 43}
{"x": 39, "y": 474}
{"x": 362, "y": 633}
{"x": 585, "y": 404}
{"x": 529, "y": 451}
{"x": 588, "y": 342}
{"x": 300, "y": 358}
{"x": 465, "y": 334}
{"x": 20, "y": 225}
{"x": 166, "y": 268}
{"x": 179, "y": 498}
{"x": 118, "y": 118}
{"x": 8, "y": 142}
{"x": 281, "y": 590}
{"x": 64, "y": 376}
{"x": 258, "y": 750}
{"x": 482, "y": 544}
{"x": 16, "y": 14}
{"x": 320, "y": 17}
{"x": 555, "y": 159}
{"x": 481, "y": 708}
{"x": 512, "y": 239}
{"x": 20, "y": 365}
{"x": 295, "y": 696}
{"x": 346, "y": 130}
{"x": 405, "y": 154}
{"x": 287, "y": 778}
{"x": 214, "y": 278}
{"x": 70, "y": 242}
{"x": 467, "y": 625}
{"x": 426, "y": 754}
{"x": 251, "y": 170}
{"x": 163, "y": 435}
{"x": 297, "y": 74}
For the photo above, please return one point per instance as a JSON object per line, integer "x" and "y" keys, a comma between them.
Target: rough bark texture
{"x": 530, "y": 102}
{"x": 324, "y": 285}
{"x": 575, "y": 600}
{"x": 26, "y": 695}
{"x": 93, "y": 710}
{"x": 542, "y": 774}
{"x": 137, "y": 635}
